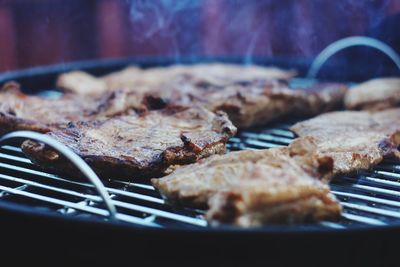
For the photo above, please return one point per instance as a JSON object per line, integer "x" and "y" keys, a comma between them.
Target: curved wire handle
{"x": 341, "y": 44}
{"x": 70, "y": 155}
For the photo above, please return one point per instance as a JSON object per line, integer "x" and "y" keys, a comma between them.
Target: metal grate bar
{"x": 367, "y": 198}
{"x": 152, "y": 211}
{"x": 361, "y": 219}
{"x": 15, "y": 158}
{"x": 371, "y": 209}
{"x": 12, "y": 148}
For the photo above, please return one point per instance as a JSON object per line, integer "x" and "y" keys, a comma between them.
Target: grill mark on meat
{"x": 139, "y": 145}
{"x": 353, "y": 140}
{"x": 19, "y": 111}
{"x": 251, "y": 96}
{"x": 250, "y": 188}
{"x": 374, "y": 95}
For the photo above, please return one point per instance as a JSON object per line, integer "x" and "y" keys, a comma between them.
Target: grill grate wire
{"x": 368, "y": 198}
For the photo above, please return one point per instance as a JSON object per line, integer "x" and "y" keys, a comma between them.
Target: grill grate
{"x": 368, "y": 198}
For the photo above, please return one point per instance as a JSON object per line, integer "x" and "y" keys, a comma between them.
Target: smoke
{"x": 155, "y": 16}
{"x": 248, "y": 56}
{"x": 249, "y": 28}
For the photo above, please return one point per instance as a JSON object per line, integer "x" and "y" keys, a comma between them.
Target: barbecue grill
{"x": 38, "y": 205}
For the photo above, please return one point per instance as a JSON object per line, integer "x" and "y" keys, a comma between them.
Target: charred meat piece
{"x": 376, "y": 94}
{"x": 250, "y": 188}
{"x": 146, "y": 79}
{"x": 251, "y": 96}
{"x": 19, "y": 111}
{"x": 348, "y": 140}
{"x": 139, "y": 145}
{"x": 256, "y": 103}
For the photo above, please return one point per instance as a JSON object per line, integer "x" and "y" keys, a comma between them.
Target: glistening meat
{"x": 138, "y": 145}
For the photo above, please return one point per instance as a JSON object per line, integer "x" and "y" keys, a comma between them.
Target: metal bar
{"x": 388, "y": 174}
{"x": 267, "y": 137}
{"x": 362, "y": 219}
{"x": 341, "y": 44}
{"x": 134, "y": 207}
{"x": 57, "y": 178}
{"x": 332, "y": 225}
{"x": 89, "y": 209}
{"x": 52, "y": 188}
{"x": 12, "y": 148}
{"x": 280, "y": 132}
{"x": 15, "y": 158}
{"x": 79, "y": 163}
{"x": 389, "y": 213}
{"x": 82, "y": 195}
{"x": 160, "y": 213}
{"x": 260, "y": 143}
{"x": 368, "y": 198}
{"x": 382, "y": 182}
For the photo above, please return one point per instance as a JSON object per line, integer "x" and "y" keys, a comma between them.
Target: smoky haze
{"x": 48, "y": 31}
{"x": 251, "y": 27}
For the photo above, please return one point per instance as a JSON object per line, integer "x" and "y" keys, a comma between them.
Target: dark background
{"x": 38, "y": 32}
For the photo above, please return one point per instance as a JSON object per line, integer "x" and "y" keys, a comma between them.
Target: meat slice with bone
{"x": 138, "y": 145}
{"x": 251, "y": 188}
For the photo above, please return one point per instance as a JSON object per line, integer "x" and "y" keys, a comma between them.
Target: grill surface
{"x": 368, "y": 198}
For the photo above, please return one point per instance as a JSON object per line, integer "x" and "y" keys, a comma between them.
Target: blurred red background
{"x": 39, "y": 32}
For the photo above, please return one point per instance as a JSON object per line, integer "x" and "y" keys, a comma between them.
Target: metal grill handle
{"x": 70, "y": 155}
{"x": 341, "y": 44}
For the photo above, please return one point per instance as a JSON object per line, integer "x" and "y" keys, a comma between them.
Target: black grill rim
{"x": 44, "y": 77}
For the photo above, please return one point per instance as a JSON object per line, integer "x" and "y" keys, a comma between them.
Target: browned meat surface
{"x": 348, "y": 140}
{"x": 250, "y": 96}
{"x": 250, "y": 188}
{"x": 376, "y": 94}
{"x": 19, "y": 111}
{"x": 138, "y": 145}
{"x": 145, "y": 79}
{"x": 254, "y": 102}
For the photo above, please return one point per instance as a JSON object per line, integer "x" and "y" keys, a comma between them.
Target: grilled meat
{"x": 376, "y": 94}
{"x": 139, "y": 145}
{"x": 347, "y": 141}
{"x": 145, "y": 79}
{"x": 19, "y": 111}
{"x": 250, "y": 95}
{"x": 253, "y": 102}
{"x": 250, "y": 188}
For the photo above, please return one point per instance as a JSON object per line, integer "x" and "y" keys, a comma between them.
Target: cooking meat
{"x": 253, "y": 102}
{"x": 19, "y": 111}
{"x": 251, "y": 96}
{"x": 376, "y": 94}
{"x": 348, "y": 141}
{"x": 256, "y": 103}
{"x": 251, "y": 188}
{"x": 138, "y": 145}
{"x": 145, "y": 79}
